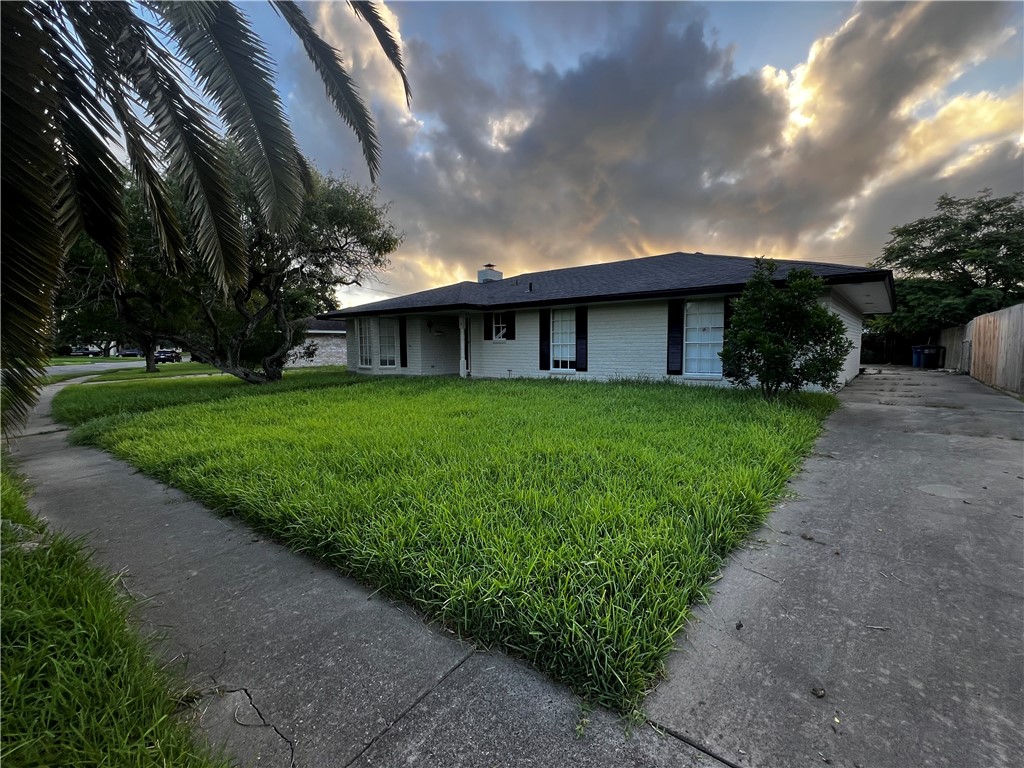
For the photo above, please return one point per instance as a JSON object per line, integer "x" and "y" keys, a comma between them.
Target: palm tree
{"x": 83, "y": 82}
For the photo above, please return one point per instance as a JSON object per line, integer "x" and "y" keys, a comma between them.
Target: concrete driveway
{"x": 877, "y": 619}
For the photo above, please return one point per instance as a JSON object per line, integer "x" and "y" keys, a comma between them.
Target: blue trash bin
{"x": 916, "y": 359}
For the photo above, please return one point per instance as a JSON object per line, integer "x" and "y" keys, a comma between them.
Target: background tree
{"x": 76, "y": 78}
{"x": 83, "y": 301}
{"x": 342, "y": 237}
{"x": 781, "y": 336}
{"x": 966, "y": 260}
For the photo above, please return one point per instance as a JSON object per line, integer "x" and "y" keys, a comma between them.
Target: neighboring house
{"x": 656, "y": 317}
{"x": 331, "y": 343}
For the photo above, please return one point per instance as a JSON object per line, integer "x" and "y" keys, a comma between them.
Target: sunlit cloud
{"x": 506, "y": 128}
{"x": 366, "y": 62}
{"x": 650, "y": 142}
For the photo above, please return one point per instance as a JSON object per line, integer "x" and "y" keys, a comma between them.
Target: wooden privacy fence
{"x": 958, "y": 348}
{"x": 990, "y": 348}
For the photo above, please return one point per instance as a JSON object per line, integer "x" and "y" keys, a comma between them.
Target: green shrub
{"x": 781, "y": 336}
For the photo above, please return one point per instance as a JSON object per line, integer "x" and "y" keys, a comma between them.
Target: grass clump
{"x": 163, "y": 371}
{"x": 57, "y": 378}
{"x": 82, "y": 360}
{"x": 79, "y": 686}
{"x": 570, "y": 523}
{"x": 78, "y": 405}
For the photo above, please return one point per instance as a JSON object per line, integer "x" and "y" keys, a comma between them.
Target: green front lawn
{"x": 570, "y": 523}
{"x": 57, "y": 378}
{"x": 163, "y": 371}
{"x": 86, "y": 360}
{"x": 79, "y": 686}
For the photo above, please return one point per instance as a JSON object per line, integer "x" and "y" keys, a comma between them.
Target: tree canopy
{"x": 82, "y": 82}
{"x": 342, "y": 237}
{"x": 779, "y": 337}
{"x": 966, "y": 260}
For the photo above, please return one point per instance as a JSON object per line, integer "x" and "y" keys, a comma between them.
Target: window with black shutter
{"x": 403, "y": 339}
{"x": 674, "y": 363}
{"x": 563, "y": 339}
{"x": 544, "y": 337}
{"x": 581, "y": 338}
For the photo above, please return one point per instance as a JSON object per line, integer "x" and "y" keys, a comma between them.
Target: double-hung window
{"x": 365, "y": 352}
{"x": 703, "y": 335}
{"x": 388, "y": 342}
{"x": 563, "y": 339}
{"x": 500, "y": 325}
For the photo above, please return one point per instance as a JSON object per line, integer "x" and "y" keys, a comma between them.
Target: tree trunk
{"x": 150, "y": 349}
{"x": 241, "y": 372}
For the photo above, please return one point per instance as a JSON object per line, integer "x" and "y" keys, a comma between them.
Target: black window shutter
{"x": 488, "y": 326}
{"x": 403, "y": 353}
{"x": 545, "y": 339}
{"x": 581, "y": 338}
{"x": 726, "y": 322}
{"x": 510, "y": 326}
{"x": 674, "y": 363}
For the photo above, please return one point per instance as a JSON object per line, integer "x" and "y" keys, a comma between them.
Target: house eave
{"x": 882, "y": 275}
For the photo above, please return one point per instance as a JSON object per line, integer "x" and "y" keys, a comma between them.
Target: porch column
{"x": 462, "y": 345}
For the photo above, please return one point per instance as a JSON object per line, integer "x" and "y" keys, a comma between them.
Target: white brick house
{"x": 329, "y": 336}
{"x": 657, "y": 317}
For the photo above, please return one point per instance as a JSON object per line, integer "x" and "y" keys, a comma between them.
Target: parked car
{"x": 130, "y": 352}
{"x": 168, "y": 356}
{"x": 84, "y": 352}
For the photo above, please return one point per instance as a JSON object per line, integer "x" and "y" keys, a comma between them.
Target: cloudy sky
{"x": 544, "y": 135}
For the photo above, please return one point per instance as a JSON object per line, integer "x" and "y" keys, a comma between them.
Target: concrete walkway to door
{"x": 878, "y": 619}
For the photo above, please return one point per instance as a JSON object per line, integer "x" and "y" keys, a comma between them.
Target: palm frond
{"x": 189, "y": 143}
{"x": 85, "y": 136}
{"x": 306, "y": 172}
{"x": 231, "y": 64}
{"x": 341, "y": 89}
{"x": 199, "y": 13}
{"x": 100, "y": 27}
{"x": 369, "y": 13}
{"x": 196, "y": 153}
{"x": 29, "y": 236}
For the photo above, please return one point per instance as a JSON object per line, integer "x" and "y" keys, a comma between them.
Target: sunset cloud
{"x": 638, "y": 135}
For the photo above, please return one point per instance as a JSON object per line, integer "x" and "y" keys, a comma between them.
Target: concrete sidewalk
{"x": 878, "y": 620}
{"x": 299, "y": 665}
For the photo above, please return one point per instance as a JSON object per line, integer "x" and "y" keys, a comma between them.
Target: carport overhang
{"x": 874, "y": 295}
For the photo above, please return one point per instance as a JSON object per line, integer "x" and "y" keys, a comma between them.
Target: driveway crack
{"x": 679, "y": 736}
{"x": 263, "y": 720}
{"x": 423, "y": 694}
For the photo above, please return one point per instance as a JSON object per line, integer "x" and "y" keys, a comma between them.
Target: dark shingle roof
{"x": 654, "y": 276}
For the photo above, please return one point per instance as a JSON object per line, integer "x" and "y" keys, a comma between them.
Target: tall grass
{"x": 101, "y": 406}
{"x": 570, "y": 523}
{"x": 79, "y": 686}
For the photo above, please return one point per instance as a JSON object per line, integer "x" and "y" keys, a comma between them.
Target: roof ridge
{"x": 645, "y": 276}
{"x": 678, "y": 253}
